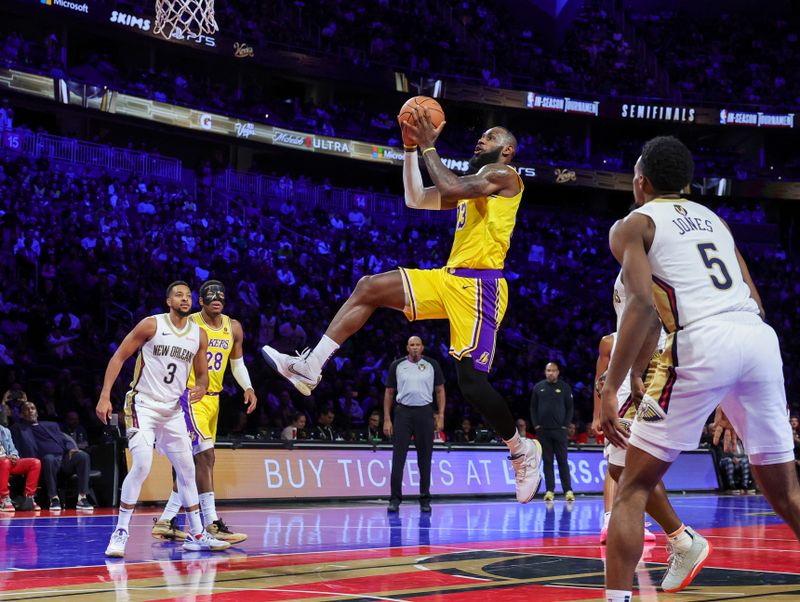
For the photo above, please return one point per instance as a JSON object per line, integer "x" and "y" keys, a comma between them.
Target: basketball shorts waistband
{"x": 473, "y": 273}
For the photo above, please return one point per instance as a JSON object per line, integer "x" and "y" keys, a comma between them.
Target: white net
{"x": 179, "y": 19}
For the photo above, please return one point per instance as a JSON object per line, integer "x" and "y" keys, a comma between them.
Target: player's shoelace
{"x": 672, "y": 560}
{"x": 520, "y": 466}
{"x": 223, "y": 528}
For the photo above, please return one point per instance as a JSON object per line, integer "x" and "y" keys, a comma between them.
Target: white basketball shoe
{"x": 527, "y": 467}
{"x": 116, "y": 545}
{"x": 684, "y": 566}
{"x": 204, "y": 542}
{"x": 296, "y": 369}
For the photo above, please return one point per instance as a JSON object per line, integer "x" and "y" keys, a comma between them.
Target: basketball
{"x": 407, "y": 110}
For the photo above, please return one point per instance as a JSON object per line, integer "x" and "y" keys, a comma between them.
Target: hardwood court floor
{"x": 464, "y": 551}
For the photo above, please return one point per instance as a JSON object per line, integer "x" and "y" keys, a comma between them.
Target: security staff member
{"x": 551, "y": 413}
{"x": 414, "y": 378}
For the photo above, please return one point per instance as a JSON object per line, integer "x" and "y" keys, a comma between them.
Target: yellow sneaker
{"x": 219, "y": 530}
{"x": 167, "y": 529}
{"x": 569, "y": 496}
{"x": 549, "y": 496}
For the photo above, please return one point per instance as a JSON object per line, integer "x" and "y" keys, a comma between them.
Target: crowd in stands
{"x": 595, "y": 46}
{"x": 738, "y": 56}
{"x": 721, "y": 57}
{"x": 86, "y": 254}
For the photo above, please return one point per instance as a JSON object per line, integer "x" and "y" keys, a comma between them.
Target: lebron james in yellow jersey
{"x": 469, "y": 290}
{"x": 225, "y": 337}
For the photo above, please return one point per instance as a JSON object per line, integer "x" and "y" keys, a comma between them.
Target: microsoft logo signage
{"x": 80, "y": 8}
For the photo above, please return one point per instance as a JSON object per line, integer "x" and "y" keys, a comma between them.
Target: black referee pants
{"x": 554, "y": 442}
{"x": 416, "y": 421}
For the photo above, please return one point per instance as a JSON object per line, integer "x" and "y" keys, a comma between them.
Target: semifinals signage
{"x": 759, "y": 119}
{"x": 562, "y": 104}
{"x": 314, "y": 472}
{"x": 658, "y": 112}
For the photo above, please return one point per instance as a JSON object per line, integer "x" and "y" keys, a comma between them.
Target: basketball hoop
{"x": 181, "y": 19}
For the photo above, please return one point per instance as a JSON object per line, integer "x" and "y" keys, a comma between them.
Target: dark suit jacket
{"x": 26, "y": 442}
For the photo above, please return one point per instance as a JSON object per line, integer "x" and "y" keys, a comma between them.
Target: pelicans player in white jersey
{"x": 225, "y": 339}
{"x": 681, "y": 540}
{"x": 169, "y": 346}
{"x": 681, "y": 257}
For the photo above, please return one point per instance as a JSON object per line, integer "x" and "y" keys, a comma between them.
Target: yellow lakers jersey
{"x": 484, "y": 226}
{"x": 220, "y": 345}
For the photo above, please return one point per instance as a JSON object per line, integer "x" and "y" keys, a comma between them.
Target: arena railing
{"x": 331, "y": 197}
{"x": 70, "y": 150}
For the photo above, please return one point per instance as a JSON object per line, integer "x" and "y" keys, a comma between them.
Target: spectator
{"x": 735, "y": 467}
{"x": 350, "y": 408}
{"x": 466, "y": 434}
{"x": 551, "y": 413}
{"x": 12, "y": 464}
{"x": 58, "y": 453}
{"x": 12, "y": 404}
{"x": 6, "y": 116}
{"x": 296, "y": 428}
{"x": 324, "y": 429}
{"x": 374, "y": 432}
{"x": 576, "y": 438}
{"x": 522, "y": 429}
{"x": 72, "y": 426}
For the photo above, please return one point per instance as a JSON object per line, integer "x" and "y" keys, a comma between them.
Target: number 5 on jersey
{"x": 715, "y": 262}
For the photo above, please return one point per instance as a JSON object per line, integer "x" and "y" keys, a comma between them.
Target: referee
{"x": 414, "y": 378}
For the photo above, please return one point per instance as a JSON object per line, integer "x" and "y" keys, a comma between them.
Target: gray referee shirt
{"x": 414, "y": 382}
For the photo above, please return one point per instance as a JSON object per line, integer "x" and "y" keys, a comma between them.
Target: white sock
{"x": 515, "y": 445}
{"x": 173, "y": 507}
{"x": 124, "y": 518}
{"x": 606, "y": 518}
{"x": 194, "y": 523}
{"x": 681, "y": 539}
{"x": 208, "y": 508}
{"x": 617, "y": 595}
{"x": 322, "y": 353}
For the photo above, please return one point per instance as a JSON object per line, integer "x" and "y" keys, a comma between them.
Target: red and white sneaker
{"x": 6, "y": 505}
{"x": 683, "y": 567}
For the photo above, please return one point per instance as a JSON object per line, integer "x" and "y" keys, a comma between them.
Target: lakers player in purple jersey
{"x": 469, "y": 291}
